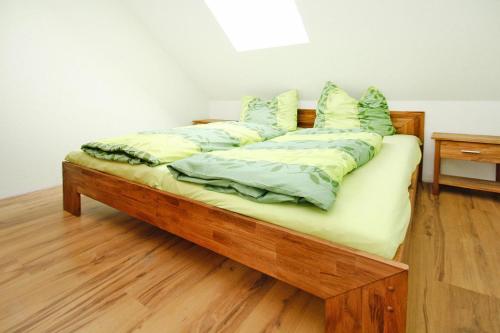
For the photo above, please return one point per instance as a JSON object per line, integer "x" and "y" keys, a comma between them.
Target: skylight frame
{"x": 259, "y": 24}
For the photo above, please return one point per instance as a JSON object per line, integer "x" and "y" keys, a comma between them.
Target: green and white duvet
{"x": 165, "y": 146}
{"x": 303, "y": 166}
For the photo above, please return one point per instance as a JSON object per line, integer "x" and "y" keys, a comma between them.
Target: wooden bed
{"x": 362, "y": 292}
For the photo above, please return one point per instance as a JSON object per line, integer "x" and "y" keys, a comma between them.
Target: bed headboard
{"x": 406, "y": 122}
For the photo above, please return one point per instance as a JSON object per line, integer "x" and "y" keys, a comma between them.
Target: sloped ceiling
{"x": 412, "y": 50}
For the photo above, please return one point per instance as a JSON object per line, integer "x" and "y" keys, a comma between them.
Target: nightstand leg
{"x": 437, "y": 167}
{"x": 435, "y": 189}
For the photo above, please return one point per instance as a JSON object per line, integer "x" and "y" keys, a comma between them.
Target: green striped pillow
{"x": 281, "y": 111}
{"x": 336, "y": 109}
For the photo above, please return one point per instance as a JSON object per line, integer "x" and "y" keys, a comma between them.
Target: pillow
{"x": 336, "y": 109}
{"x": 281, "y": 111}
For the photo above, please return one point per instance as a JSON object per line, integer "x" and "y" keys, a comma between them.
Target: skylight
{"x": 259, "y": 24}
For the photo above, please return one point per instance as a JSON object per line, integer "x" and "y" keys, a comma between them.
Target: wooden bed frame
{"x": 362, "y": 292}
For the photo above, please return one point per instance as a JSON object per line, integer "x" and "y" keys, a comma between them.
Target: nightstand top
{"x": 492, "y": 139}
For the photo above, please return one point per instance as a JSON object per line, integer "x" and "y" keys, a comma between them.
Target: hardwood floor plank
{"x": 183, "y": 313}
{"x": 278, "y": 306}
{"x": 454, "y": 263}
{"x": 107, "y": 272}
{"x": 125, "y": 312}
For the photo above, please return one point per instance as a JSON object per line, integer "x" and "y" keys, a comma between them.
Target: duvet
{"x": 165, "y": 146}
{"x": 302, "y": 166}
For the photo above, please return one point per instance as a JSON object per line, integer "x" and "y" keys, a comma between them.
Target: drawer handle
{"x": 465, "y": 151}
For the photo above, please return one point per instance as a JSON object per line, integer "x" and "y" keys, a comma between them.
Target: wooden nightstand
{"x": 479, "y": 148}
{"x": 207, "y": 121}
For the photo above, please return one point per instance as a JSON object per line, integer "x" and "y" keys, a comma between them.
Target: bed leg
{"x": 379, "y": 307}
{"x": 71, "y": 198}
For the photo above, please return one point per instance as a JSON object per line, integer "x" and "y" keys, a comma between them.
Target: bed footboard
{"x": 362, "y": 292}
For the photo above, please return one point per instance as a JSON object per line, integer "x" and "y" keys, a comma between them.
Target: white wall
{"x": 474, "y": 117}
{"x": 438, "y": 56}
{"x": 412, "y": 50}
{"x": 72, "y": 71}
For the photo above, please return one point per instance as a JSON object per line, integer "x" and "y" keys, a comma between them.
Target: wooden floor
{"x": 107, "y": 272}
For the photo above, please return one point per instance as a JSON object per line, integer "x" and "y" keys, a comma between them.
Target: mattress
{"x": 371, "y": 213}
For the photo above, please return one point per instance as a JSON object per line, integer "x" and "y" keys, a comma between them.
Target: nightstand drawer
{"x": 470, "y": 151}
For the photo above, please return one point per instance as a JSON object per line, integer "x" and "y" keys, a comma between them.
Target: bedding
{"x": 379, "y": 187}
{"x": 281, "y": 111}
{"x": 371, "y": 213}
{"x": 336, "y": 109}
{"x": 305, "y": 166}
{"x": 165, "y": 146}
